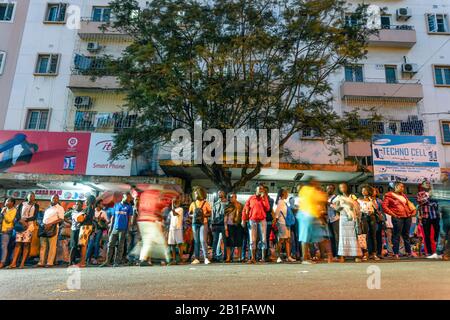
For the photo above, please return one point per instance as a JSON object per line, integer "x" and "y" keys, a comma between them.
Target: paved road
{"x": 399, "y": 280}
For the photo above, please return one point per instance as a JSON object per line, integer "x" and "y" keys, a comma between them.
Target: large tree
{"x": 235, "y": 64}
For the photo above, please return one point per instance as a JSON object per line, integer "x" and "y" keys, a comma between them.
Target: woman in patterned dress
{"x": 26, "y": 215}
{"x": 347, "y": 206}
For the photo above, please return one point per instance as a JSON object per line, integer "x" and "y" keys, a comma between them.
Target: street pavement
{"x": 411, "y": 279}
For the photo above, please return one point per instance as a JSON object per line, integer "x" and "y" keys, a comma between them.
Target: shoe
{"x": 396, "y": 257}
{"x": 144, "y": 263}
{"x": 196, "y": 261}
{"x": 105, "y": 264}
{"x": 279, "y": 260}
{"x": 207, "y": 261}
{"x": 375, "y": 257}
{"x": 358, "y": 260}
{"x": 290, "y": 259}
{"x": 308, "y": 262}
{"x": 36, "y": 266}
{"x": 434, "y": 256}
{"x": 445, "y": 258}
{"x": 94, "y": 262}
{"x": 251, "y": 261}
{"x": 49, "y": 266}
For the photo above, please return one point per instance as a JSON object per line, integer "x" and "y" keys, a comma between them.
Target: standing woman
{"x": 283, "y": 231}
{"x": 368, "y": 223}
{"x": 26, "y": 215}
{"x": 348, "y": 208}
{"x": 233, "y": 230}
{"x": 87, "y": 226}
{"x": 200, "y": 211}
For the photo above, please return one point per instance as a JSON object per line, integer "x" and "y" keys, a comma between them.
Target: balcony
{"x": 90, "y": 30}
{"x": 402, "y": 36}
{"x": 93, "y": 121}
{"x": 378, "y": 89}
{"x": 78, "y": 81}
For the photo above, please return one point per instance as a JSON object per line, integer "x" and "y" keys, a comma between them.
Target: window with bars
{"x": 37, "y": 120}
{"x": 47, "y": 64}
{"x": 442, "y": 75}
{"x": 354, "y": 73}
{"x": 411, "y": 126}
{"x": 7, "y": 11}
{"x": 56, "y": 12}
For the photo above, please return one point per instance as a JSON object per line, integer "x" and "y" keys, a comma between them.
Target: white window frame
{"x": 441, "y": 125}
{"x": 2, "y": 61}
{"x": 443, "y": 76}
{"x": 47, "y": 12}
{"x": 103, "y": 12}
{"x": 14, "y": 3}
{"x": 435, "y": 23}
{"x": 49, "y": 64}
{"x": 28, "y": 115}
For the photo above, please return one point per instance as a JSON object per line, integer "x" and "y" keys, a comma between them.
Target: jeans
{"x": 217, "y": 230}
{"x": 116, "y": 236}
{"x": 246, "y": 243}
{"x": 427, "y": 224}
{"x": 93, "y": 249}
{"x": 6, "y": 236}
{"x": 402, "y": 227}
{"x": 334, "y": 230}
{"x": 200, "y": 240}
{"x": 268, "y": 230}
{"x": 379, "y": 237}
{"x": 132, "y": 240}
{"x": 258, "y": 228}
{"x": 372, "y": 234}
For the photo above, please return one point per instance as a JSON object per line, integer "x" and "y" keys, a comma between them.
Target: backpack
{"x": 289, "y": 218}
{"x": 198, "y": 213}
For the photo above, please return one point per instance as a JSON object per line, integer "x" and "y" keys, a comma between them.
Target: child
{"x": 175, "y": 238}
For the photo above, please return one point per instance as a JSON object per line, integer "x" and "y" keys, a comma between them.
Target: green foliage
{"x": 235, "y": 64}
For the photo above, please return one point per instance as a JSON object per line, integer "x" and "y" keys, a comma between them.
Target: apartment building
{"x": 12, "y": 23}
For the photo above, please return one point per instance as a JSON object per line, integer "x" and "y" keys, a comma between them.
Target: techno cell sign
{"x": 409, "y": 159}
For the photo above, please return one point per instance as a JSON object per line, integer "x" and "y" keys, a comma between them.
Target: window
{"x": 442, "y": 75}
{"x": 47, "y": 64}
{"x": 354, "y": 74}
{"x": 56, "y": 12}
{"x": 437, "y": 23}
{"x": 2, "y": 61}
{"x": 351, "y": 20}
{"x": 445, "y": 127}
{"x": 7, "y": 11}
{"x": 391, "y": 74}
{"x": 385, "y": 22}
{"x": 37, "y": 120}
{"x": 101, "y": 14}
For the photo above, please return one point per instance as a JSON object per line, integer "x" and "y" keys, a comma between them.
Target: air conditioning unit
{"x": 93, "y": 46}
{"x": 404, "y": 14}
{"x": 83, "y": 102}
{"x": 410, "y": 68}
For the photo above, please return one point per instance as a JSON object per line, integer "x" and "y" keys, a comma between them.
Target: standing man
{"x": 49, "y": 237}
{"x": 428, "y": 214}
{"x": 269, "y": 221}
{"x": 333, "y": 219}
{"x": 397, "y": 205}
{"x": 218, "y": 225}
{"x": 75, "y": 215}
{"x": 254, "y": 214}
{"x": 118, "y": 231}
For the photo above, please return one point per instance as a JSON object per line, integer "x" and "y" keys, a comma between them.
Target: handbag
{"x": 19, "y": 227}
{"x": 362, "y": 241}
{"x": 49, "y": 233}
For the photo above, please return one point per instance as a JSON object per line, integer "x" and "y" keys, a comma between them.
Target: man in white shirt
{"x": 52, "y": 216}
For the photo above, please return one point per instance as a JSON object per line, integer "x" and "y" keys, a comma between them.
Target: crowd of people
{"x": 314, "y": 225}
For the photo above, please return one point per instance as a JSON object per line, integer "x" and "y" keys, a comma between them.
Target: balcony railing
{"x": 408, "y": 127}
{"x": 397, "y": 36}
{"x": 94, "y": 121}
{"x": 91, "y": 30}
{"x": 397, "y": 27}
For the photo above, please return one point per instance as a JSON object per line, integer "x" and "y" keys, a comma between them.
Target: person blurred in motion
{"x": 218, "y": 225}
{"x": 428, "y": 210}
{"x": 368, "y": 223}
{"x": 397, "y": 205}
{"x": 254, "y": 213}
{"x": 8, "y": 215}
{"x": 120, "y": 222}
{"x": 333, "y": 219}
{"x": 200, "y": 211}
{"x": 283, "y": 231}
{"x": 100, "y": 226}
{"x": 76, "y": 215}
{"x": 48, "y": 233}
{"x": 443, "y": 246}
{"x": 175, "y": 238}
{"x": 233, "y": 229}
{"x": 312, "y": 224}
{"x": 347, "y": 207}
{"x": 152, "y": 204}
{"x": 26, "y": 215}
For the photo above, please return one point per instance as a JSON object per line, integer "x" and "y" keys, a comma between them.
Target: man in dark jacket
{"x": 217, "y": 225}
